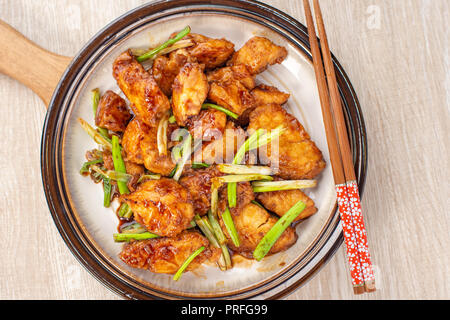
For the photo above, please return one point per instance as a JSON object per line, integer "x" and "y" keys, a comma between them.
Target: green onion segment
{"x": 277, "y": 230}
{"x": 183, "y": 267}
{"x": 169, "y": 42}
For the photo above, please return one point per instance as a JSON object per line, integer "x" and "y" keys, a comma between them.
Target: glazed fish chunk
{"x": 140, "y": 144}
{"x": 147, "y": 100}
{"x": 165, "y": 69}
{"x": 257, "y": 54}
{"x": 207, "y": 125}
{"x": 279, "y": 202}
{"x": 190, "y": 89}
{"x": 162, "y": 206}
{"x": 210, "y": 52}
{"x": 112, "y": 112}
{"x": 230, "y": 88}
{"x": 264, "y": 94}
{"x": 198, "y": 183}
{"x": 166, "y": 255}
{"x": 298, "y": 157}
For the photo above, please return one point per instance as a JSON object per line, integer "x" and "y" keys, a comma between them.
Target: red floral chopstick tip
{"x": 349, "y": 236}
{"x": 361, "y": 235}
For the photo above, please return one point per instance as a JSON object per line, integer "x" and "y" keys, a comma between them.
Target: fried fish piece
{"x": 207, "y": 125}
{"x": 112, "y": 112}
{"x": 223, "y": 149}
{"x": 165, "y": 69}
{"x": 166, "y": 255}
{"x": 162, "y": 206}
{"x": 257, "y": 54}
{"x": 280, "y": 202}
{"x": 230, "y": 88}
{"x": 264, "y": 94}
{"x": 198, "y": 183}
{"x": 148, "y": 102}
{"x": 232, "y": 95}
{"x": 298, "y": 157}
{"x": 252, "y": 223}
{"x": 141, "y": 147}
{"x": 153, "y": 160}
{"x": 210, "y": 52}
{"x": 234, "y": 73}
{"x": 190, "y": 89}
{"x": 131, "y": 141}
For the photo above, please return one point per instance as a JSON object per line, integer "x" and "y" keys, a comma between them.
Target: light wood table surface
{"x": 396, "y": 53}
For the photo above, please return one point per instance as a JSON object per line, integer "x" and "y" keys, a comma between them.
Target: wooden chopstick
{"x": 339, "y": 174}
{"x": 346, "y": 154}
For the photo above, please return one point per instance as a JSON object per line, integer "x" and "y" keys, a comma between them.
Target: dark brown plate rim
{"x": 52, "y": 137}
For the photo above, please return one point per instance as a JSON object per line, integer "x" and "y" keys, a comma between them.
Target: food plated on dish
{"x": 199, "y": 160}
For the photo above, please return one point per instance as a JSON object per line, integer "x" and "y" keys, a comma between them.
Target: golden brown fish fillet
{"x": 190, "y": 89}
{"x": 148, "y": 102}
{"x": 207, "y": 125}
{"x": 198, "y": 183}
{"x": 131, "y": 141}
{"x": 224, "y": 149}
{"x": 298, "y": 157}
{"x": 162, "y": 206}
{"x": 280, "y": 202}
{"x": 112, "y": 112}
{"x": 252, "y": 222}
{"x": 264, "y": 94}
{"x": 235, "y": 73}
{"x": 166, "y": 255}
{"x": 165, "y": 69}
{"x": 231, "y": 95}
{"x": 141, "y": 147}
{"x": 210, "y": 52}
{"x": 257, "y": 54}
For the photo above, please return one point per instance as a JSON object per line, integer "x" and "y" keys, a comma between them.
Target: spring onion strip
{"x": 215, "y": 106}
{"x": 241, "y": 178}
{"x": 183, "y": 267}
{"x": 206, "y": 231}
{"x": 216, "y": 228}
{"x": 277, "y": 230}
{"x": 193, "y": 224}
{"x": 232, "y": 194}
{"x": 268, "y": 186}
{"x": 161, "y": 136}
{"x": 134, "y": 229}
{"x": 186, "y": 150}
{"x": 257, "y": 139}
{"x": 104, "y": 133}
{"x": 172, "y": 119}
{"x": 119, "y": 164}
{"x": 107, "y": 192}
{"x": 86, "y": 165}
{"x": 244, "y": 169}
{"x": 126, "y": 237}
{"x": 125, "y": 211}
{"x": 166, "y": 44}
{"x": 95, "y": 100}
{"x": 153, "y": 176}
{"x": 98, "y": 138}
{"x": 113, "y": 175}
{"x": 214, "y": 198}
{"x": 179, "y": 45}
{"x": 229, "y": 224}
{"x": 199, "y": 165}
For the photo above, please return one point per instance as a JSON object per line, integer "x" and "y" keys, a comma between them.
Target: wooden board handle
{"x": 35, "y": 67}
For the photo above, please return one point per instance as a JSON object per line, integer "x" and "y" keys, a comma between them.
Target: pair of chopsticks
{"x": 349, "y": 203}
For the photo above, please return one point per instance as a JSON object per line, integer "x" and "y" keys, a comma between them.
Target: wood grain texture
{"x": 396, "y": 54}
